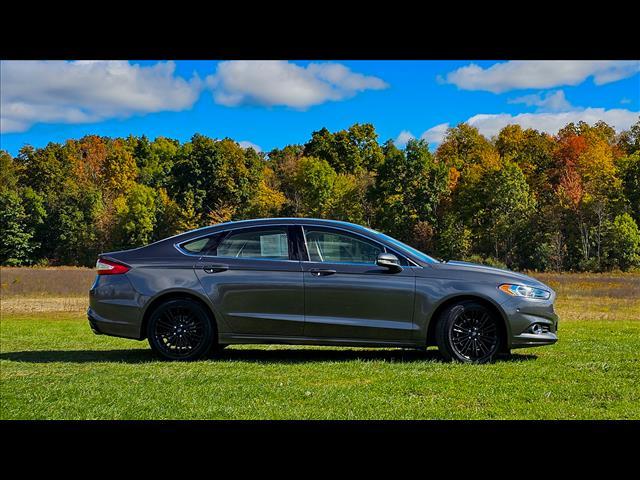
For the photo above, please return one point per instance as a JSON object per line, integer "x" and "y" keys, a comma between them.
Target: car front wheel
{"x": 468, "y": 332}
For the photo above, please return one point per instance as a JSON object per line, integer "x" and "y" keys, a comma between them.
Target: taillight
{"x": 109, "y": 267}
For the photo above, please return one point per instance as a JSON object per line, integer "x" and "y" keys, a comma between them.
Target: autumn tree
{"x": 268, "y": 200}
{"x": 524, "y": 197}
{"x": 462, "y": 147}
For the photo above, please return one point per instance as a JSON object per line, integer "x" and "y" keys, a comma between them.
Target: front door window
{"x": 334, "y": 247}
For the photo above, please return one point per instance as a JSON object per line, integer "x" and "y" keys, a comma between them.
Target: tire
{"x": 181, "y": 329}
{"x": 469, "y": 332}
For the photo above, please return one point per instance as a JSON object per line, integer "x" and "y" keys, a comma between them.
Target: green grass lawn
{"x": 53, "y": 367}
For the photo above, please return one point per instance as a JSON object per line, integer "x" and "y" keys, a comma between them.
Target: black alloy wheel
{"x": 180, "y": 329}
{"x": 468, "y": 332}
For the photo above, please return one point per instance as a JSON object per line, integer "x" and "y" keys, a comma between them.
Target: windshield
{"x": 416, "y": 253}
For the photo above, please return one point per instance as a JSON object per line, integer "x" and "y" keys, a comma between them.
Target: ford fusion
{"x": 313, "y": 282}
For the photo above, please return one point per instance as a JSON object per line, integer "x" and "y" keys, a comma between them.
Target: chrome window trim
{"x": 289, "y": 224}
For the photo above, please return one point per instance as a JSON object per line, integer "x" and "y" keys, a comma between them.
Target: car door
{"x": 347, "y": 295}
{"x": 254, "y": 280}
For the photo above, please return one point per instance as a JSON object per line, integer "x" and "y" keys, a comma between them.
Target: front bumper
{"x": 533, "y": 340}
{"x": 522, "y": 314}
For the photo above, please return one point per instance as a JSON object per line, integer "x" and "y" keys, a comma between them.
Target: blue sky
{"x": 272, "y": 104}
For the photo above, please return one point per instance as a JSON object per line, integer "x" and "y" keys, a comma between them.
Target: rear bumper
{"x": 93, "y": 324}
{"x": 103, "y": 326}
{"x": 115, "y": 307}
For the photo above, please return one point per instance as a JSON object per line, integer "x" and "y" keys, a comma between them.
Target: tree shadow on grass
{"x": 284, "y": 355}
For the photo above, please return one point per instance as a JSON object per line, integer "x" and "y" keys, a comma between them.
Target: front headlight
{"x": 524, "y": 291}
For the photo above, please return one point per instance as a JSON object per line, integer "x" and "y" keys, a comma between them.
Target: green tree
{"x": 629, "y": 172}
{"x": 623, "y": 243}
{"x": 348, "y": 201}
{"x": 154, "y": 159}
{"x": 347, "y": 151}
{"x": 629, "y": 140}
{"x": 285, "y": 164}
{"x": 221, "y": 176}
{"x": 135, "y": 215}
{"x": 17, "y": 246}
{"x": 168, "y": 216}
{"x": 454, "y": 239}
{"x": 497, "y": 206}
{"x": 314, "y": 181}
{"x": 409, "y": 187}
{"x": 78, "y": 227}
{"x": 21, "y": 213}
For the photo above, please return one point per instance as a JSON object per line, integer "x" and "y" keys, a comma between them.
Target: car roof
{"x": 271, "y": 221}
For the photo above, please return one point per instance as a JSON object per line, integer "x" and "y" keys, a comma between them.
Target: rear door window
{"x": 267, "y": 244}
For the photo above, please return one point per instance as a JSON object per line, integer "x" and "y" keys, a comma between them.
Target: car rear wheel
{"x": 181, "y": 329}
{"x": 468, "y": 332}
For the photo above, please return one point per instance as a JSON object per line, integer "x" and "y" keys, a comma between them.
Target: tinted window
{"x": 269, "y": 243}
{"x": 338, "y": 247}
{"x": 197, "y": 246}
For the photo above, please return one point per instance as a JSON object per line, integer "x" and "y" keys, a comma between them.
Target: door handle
{"x": 215, "y": 268}
{"x": 321, "y": 272}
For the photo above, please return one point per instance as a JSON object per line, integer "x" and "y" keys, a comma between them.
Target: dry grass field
{"x": 52, "y": 366}
{"x": 51, "y": 289}
{"x": 595, "y": 296}
{"x": 606, "y": 296}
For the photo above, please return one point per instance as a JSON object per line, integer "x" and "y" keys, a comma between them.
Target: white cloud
{"x": 435, "y": 134}
{"x": 403, "y": 138}
{"x": 523, "y": 74}
{"x": 278, "y": 82}
{"x": 625, "y": 100}
{"x": 248, "y": 144}
{"x": 549, "y": 102}
{"x": 81, "y": 92}
{"x": 490, "y": 124}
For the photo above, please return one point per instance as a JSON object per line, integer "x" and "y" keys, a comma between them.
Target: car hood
{"x": 500, "y": 274}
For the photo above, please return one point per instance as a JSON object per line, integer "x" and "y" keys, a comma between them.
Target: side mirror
{"x": 390, "y": 261}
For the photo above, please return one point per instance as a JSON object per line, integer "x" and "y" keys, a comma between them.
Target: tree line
{"x": 523, "y": 199}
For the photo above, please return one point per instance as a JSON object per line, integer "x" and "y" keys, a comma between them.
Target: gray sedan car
{"x": 309, "y": 281}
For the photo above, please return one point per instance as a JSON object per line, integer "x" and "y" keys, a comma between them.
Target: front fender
{"x": 432, "y": 295}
